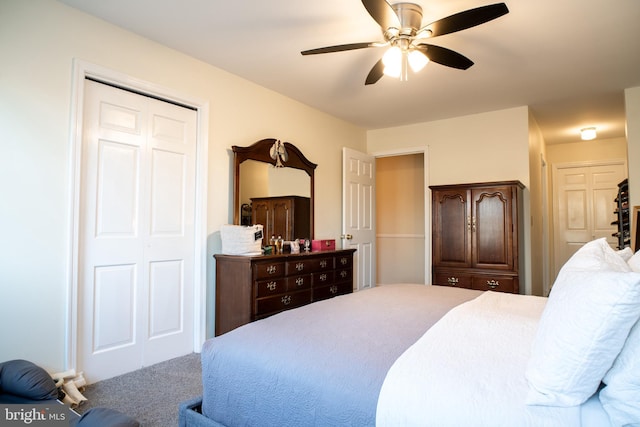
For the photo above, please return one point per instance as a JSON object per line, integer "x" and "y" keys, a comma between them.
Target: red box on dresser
{"x": 323, "y": 245}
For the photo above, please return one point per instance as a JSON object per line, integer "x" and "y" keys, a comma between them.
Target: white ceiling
{"x": 569, "y": 60}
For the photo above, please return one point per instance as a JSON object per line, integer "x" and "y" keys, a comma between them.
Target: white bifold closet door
{"x": 136, "y": 248}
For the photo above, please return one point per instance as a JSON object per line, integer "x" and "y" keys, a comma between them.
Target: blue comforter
{"x": 322, "y": 364}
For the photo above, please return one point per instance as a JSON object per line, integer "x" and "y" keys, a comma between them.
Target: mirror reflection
{"x": 273, "y": 187}
{"x": 259, "y": 179}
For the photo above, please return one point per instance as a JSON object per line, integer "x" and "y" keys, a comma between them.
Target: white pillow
{"x": 634, "y": 262}
{"x": 621, "y": 396}
{"x": 625, "y": 253}
{"x": 592, "y": 306}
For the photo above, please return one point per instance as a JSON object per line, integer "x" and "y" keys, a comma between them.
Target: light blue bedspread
{"x": 322, "y": 364}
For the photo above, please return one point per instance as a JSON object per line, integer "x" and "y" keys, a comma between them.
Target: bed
{"x": 404, "y": 355}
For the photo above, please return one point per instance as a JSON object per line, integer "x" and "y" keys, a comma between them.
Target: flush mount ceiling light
{"x": 587, "y": 134}
{"x": 401, "y": 25}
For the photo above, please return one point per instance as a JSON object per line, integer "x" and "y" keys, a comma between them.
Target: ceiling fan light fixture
{"x": 392, "y": 61}
{"x": 417, "y": 60}
{"x": 587, "y": 134}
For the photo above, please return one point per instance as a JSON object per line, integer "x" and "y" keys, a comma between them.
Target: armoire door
{"x": 492, "y": 228}
{"x": 136, "y": 232}
{"x": 261, "y": 214}
{"x": 452, "y": 225}
{"x": 282, "y": 218}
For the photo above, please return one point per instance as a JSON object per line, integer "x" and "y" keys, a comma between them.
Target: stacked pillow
{"x": 584, "y": 339}
{"x": 621, "y": 396}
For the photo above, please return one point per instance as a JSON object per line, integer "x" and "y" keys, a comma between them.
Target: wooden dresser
{"x": 477, "y": 235}
{"x": 249, "y": 288}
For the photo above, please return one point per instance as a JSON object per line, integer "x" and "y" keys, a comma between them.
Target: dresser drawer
{"x": 288, "y": 300}
{"x": 265, "y": 270}
{"x": 323, "y": 278}
{"x": 344, "y": 275}
{"x": 452, "y": 278}
{"x": 495, "y": 283}
{"x": 322, "y": 264}
{"x": 309, "y": 265}
{"x": 344, "y": 261}
{"x": 297, "y": 283}
{"x": 270, "y": 287}
{"x": 329, "y": 291}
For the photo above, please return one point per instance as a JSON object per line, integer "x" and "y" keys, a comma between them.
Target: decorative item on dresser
{"x": 249, "y": 288}
{"x": 477, "y": 234}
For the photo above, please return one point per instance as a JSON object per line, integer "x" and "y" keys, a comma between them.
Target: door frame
{"x": 424, "y": 150}
{"x": 81, "y": 71}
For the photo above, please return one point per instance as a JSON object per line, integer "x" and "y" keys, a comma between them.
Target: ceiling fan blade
{"x": 444, "y": 56}
{"x": 382, "y": 13}
{"x": 339, "y": 48}
{"x": 375, "y": 74}
{"x": 463, "y": 20}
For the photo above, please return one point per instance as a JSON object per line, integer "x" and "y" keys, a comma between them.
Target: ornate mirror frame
{"x": 260, "y": 151}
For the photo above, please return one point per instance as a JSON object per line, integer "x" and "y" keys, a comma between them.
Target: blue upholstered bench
{"x": 24, "y": 383}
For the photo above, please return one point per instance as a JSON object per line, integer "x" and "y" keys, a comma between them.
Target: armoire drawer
{"x": 495, "y": 283}
{"x": 452, "y": 278}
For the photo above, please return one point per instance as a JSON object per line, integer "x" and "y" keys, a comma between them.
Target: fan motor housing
{"x": 410, "y": 17}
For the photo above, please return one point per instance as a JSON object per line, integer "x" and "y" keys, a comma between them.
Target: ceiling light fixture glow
{"x": 392, "y": 60}
{"x": 587, "y": 134}
{"x": 396, "y": 61}
{"x": 417, "y": 60}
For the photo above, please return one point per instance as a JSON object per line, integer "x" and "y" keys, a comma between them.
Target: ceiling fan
{"x": 403, "y": 34}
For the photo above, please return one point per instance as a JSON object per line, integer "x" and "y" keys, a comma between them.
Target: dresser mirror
{"x": 271, "y": 168}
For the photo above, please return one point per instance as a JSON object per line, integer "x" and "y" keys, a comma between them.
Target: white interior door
{"x": 584, "y": 206}
{"x": 358, "y": 214}
{"x": 136, "y": 245}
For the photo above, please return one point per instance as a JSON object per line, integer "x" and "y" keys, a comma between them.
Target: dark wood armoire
{"x": 477, "y": 235}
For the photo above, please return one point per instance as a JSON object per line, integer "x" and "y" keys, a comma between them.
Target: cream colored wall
{"x": 482, "y": 147}
{"x": 485, "y": 147}
{"x": 587, "y": 151}
{"x": 400, "y": 219}
{"x": 39, "y": 40}
{"x": 632, "y": 104}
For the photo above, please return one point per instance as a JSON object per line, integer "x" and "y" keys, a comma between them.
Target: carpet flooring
{"x": 152, "y": 394}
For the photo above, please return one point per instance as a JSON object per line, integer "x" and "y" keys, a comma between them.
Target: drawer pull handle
{"x": 333, "y": 289}
{"x": 323, "y": 277}
{"x": 344, "y": 261}
{"x": 300, "y": 266}
{"x": 343, "y": 274}
{"x": 323, "y": 263}
{"x": 272, "y": 286}
{"x": 493, "y": 283}
{"x": 453, "y": 281}
{"x": 286, "y": 300}
{"x": 300, "y": 281}
{"x": 272, "y": 269}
